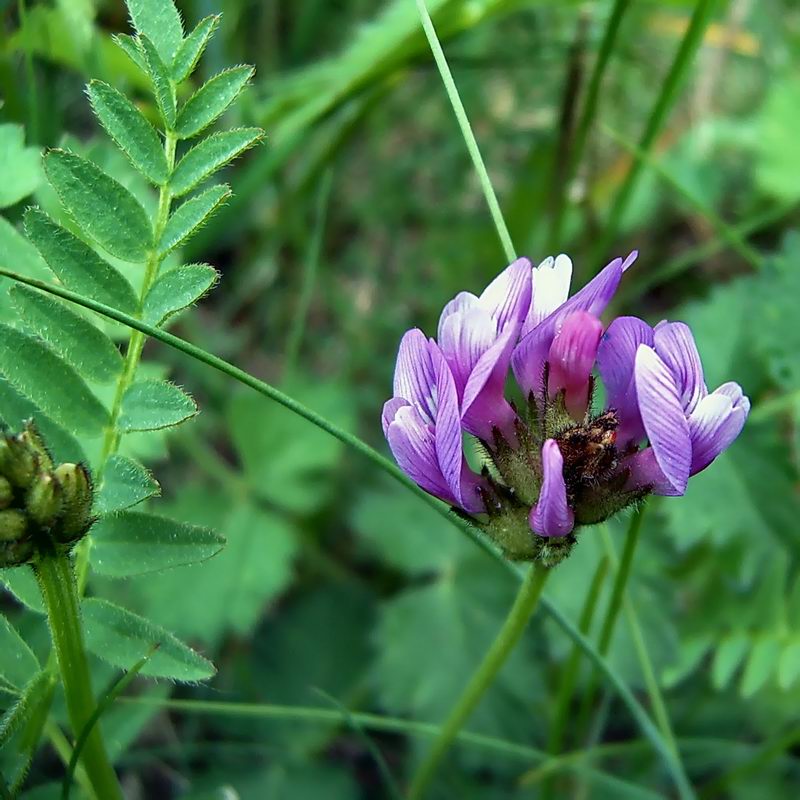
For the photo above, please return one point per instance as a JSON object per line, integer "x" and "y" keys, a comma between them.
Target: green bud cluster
{"x": 43, "y": 507}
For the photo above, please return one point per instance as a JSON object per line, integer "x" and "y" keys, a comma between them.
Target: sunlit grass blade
{"x": 466, "y": 131}
{"x": 116, "y": 688}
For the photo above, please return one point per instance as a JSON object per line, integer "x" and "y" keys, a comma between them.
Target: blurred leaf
{"x": 163, "y": 87}
{"x": 122, "y": 638}
{"x": 125, "y": 483}
{"x": 22, "y": 584}
{"x": 176, "y": 290}
{"x": 254, "y": 567}
{"x": 760, "y": 665}
{"x": 777, "y": 154}
{"x": 286, "y": 460}
{"x": 76, "y": 265}
{"x": 135, "y": 543}
{"x": 789, "y": 664}
{"x": 211, "y": 100}
{"x": 213, "y": 152}
{"x": 151, "y": 405}
{"x": 160, "y": 21}
{"x": 728, "y": 658}
{"x": 20, "y": 166}
{"x": 87, "y": 194}
{"x": 77, "y": 341}
{"x": 191, "y": 215}
{"x": 192, "y": 48}
{"x": 18, "y": 664}
{"x": 49, "y": 382}
{"x": 129, "y": 128}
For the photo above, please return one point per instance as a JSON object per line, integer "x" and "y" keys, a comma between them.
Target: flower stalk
{"x": 56, "y": 578}
{"x": 507, "y": 638}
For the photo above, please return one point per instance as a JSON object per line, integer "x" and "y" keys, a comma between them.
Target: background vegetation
{"x": 358, "y": 217}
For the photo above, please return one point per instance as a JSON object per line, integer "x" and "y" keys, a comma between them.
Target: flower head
{"x": 553, "y": 463}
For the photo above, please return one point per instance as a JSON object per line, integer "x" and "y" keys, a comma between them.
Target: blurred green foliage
{"x": 333, "y": 578}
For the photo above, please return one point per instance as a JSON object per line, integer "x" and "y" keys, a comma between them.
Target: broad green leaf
{"x": 760, "y": 665}
{"x": 205, "y": 158}
{"x": 789, "y": 664}
{"x": 122, "y": 638}
{"x": 134, "y": 543}
{"x": 191, "y": 215}
{"x": 125, "y": 483}
{"x": 176, "y": 290}
{"x": 211, "y": 100}
{"x": 22, "y": 584}
{"x": 18, "y": 664}
{"x": 239, "y": 583}
{"x": 152, "y": 405}
{"x": 728, "y": 659}
{"x": 15, "y": 409}
{"x": 103, "y": 209}
{"x": 76, "y": 265}
{"x": 21, "y": 726}
{"x": 160, "y": 21}
{"x": 129, "y": 128}
{"x": 75, "y": 339}
{"x": 20, "y": 166}
{"x": 163, "y": 87}
{"x": 49, "y": 382}
{"x": 192, "y": 48}
{"x": 130, "y": 46}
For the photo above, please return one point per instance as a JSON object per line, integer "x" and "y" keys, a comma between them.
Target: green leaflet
{"x": 130, "y": 46}
{"x": 16, "y": 250}
{"x": 151, "y": 405}
{"x": 176, "y": 290}
{"x": 191, "y": 215}
{"x": 87, "y": 194}
{"x": 76, "y": 265}
{"x": 49, "y": 382}
{"x": 211, "y": 100}
{"x": 135, "y": 543}
{"x": 163, "y": 87}
{"x": 18, "y": 664}
{"x": 20, "y": 166}
{"x": 129, "y": 128}
{"x": 75, "y": 339}
{"x": 205, "y": 158}
{"x": 22, "y": 584}
{"x": 192, "y": 48}
{"x": 122, "y": 638}
{"x": 125, "y": 483}
{"x": 160, "y": 21}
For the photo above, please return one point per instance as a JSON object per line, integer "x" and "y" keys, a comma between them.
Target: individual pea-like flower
{"x": 552, "y": 462}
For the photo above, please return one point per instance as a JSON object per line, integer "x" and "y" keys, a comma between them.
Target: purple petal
{"x": 414, "y": 376}
{"x": 508, "y": 297}
{"x": 390, "y": 408}
{"x": 529, "y": 358}
{"x": 646, "y": 472}
{"x": 552, "y": 516}
{"x": 550, "y": 289}
{"x": 484, "y": 406}
{"x": 412, "y": 442}
{"x": 464, "y": 337}
{"x": 715, "y": 422}
{"x": 663, "y": 417}
{"x": 571, "y": 359}
{"x": 597, "y": 294}
{"x": 676, "y": 347}
{"x": 461, "y": 303}
{"x": 615, "y": 361}
{"x": 629, "y": 260}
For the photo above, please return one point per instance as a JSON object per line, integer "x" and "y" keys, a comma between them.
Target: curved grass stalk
{"x": 649, "y": 730}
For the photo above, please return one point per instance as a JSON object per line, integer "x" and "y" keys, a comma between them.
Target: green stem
{"x": 612, "y": 612}
{"x": 658, "y": 115}
{"x": 466, "y": 131}
{"x": 482, "y": 679}
{"x": 60, "y": 595}
{"x": 587, "y": 116}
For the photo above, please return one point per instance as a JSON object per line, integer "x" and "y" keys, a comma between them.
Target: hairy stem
{"x": 60, "y": 595}
{"x": 482, "y": 679}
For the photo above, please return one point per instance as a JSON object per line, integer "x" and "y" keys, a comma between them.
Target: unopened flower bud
{"x": 77, "y": 495}
{"x": 44, "y": 500}
{"x": 6, "y": 493}
{"x": 18, "y": 462}
{"x": 15, "y": 547}
{"x": 31, "y": 437}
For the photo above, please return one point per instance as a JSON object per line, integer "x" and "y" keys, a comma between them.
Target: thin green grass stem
{"x": 504, "y": 643}
{"x": 670, "y": 87}
{"x": 466, "y": 131}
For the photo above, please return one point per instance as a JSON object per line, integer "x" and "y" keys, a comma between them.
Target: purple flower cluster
{"x": 553, "y": 463}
